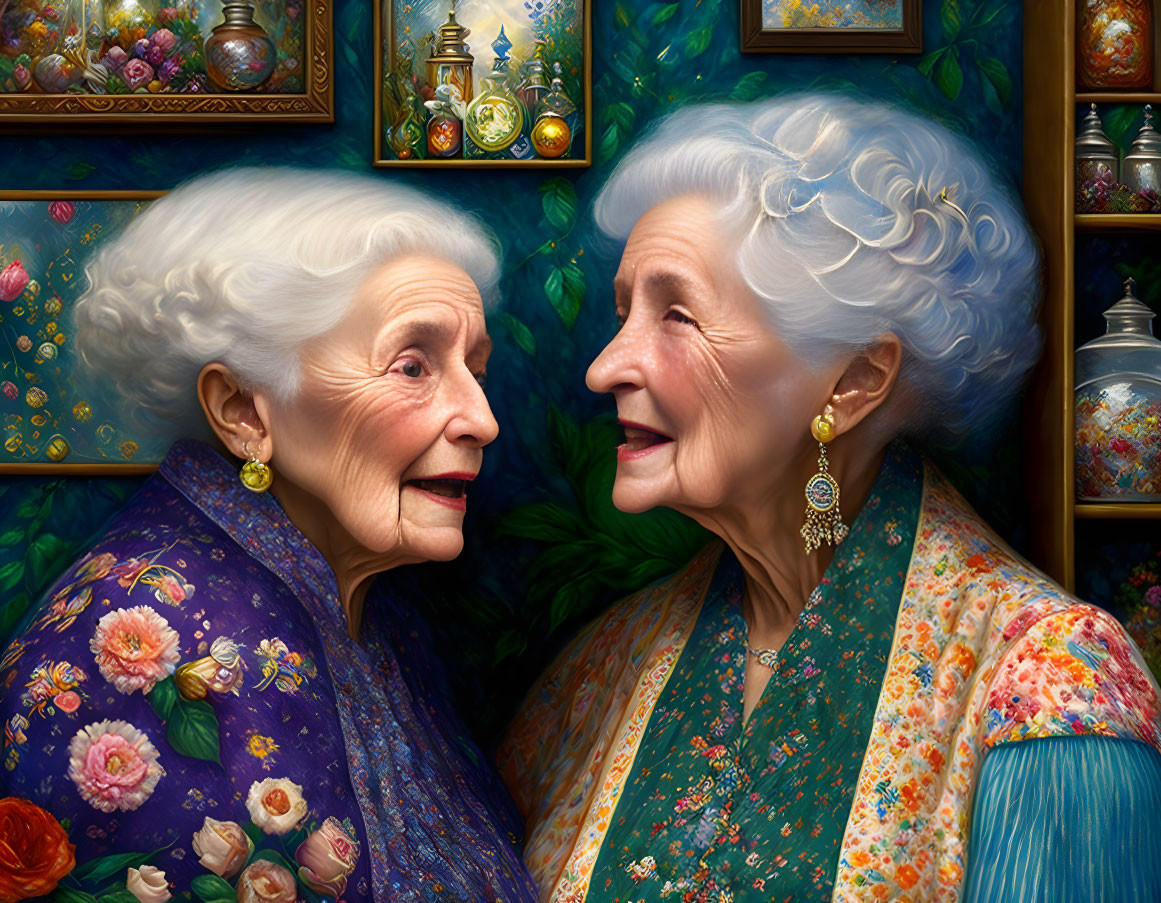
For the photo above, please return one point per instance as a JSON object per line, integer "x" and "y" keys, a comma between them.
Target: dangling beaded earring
{"x": 823, "y": 518}
{"x": 255, "y": 475}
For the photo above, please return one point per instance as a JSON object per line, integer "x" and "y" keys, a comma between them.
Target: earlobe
{"x": 233, "y": 413}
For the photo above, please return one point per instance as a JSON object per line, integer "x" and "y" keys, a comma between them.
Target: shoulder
{"x": 1047, "y": 663}
{"x": 94, "y": 670}
{"x": 1072, "y": 670}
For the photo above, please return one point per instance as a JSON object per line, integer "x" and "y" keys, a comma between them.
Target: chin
{"x": 435, "y": 544}
{"x": 633, "y": 499}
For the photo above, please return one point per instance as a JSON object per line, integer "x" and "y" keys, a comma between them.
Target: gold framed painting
{"x": 153, "y": 61}
{"x": 832, "y": 26}
{"x": 50, "y": 424}
{"x": 518, "y": 95}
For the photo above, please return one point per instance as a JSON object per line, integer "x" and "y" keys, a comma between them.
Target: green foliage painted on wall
{"x": 513, "y": 598}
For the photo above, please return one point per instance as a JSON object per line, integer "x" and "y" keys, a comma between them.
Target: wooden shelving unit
{"x": 1051, "y": 102}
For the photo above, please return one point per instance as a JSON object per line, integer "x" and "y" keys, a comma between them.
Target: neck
{"x": 354, "y": 565}
{"x": 763, "y": 533}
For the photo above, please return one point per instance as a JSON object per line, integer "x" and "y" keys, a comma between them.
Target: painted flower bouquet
{"x": 167, "y": 61}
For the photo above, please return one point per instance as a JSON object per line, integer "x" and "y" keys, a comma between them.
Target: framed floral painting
{"x": 832, "y": 26}
{"x": 52, "y": 422}
{"x": 165, "y": 61}
{"x": 519, "y": 94}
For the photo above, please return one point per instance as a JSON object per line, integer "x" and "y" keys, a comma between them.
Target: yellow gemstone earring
{"x": 823, "y": 518}
{"x": 255, "y": 475}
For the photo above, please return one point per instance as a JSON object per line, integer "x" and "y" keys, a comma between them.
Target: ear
{"x": 866, "y": 383}
{"x": 238, "y": 418}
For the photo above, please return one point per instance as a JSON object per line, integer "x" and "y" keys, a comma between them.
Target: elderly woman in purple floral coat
{"x": 204, "y": 700}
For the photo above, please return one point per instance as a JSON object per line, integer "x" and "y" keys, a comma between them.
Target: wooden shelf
{"x": 1119, "y": 97}
{"x": 1117, "y": 222}
{"x": 1118, "y": 510}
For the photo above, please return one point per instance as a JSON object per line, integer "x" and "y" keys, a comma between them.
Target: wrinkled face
{"x": 390, "y": 421}
{"x": 716, "y": 409}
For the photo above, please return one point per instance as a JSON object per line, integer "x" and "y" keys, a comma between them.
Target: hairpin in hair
{"x": 952, "y": 204}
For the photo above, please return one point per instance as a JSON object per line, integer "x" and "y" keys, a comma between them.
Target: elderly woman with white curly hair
{"x": 867, "y": 700}
{"x": 207, "y": 702}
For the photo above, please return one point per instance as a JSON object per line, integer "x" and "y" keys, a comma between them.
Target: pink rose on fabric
{"x": 266, "y": 882}
{"x": 326, "y": 858}
{"x": 222, "y": 846}
{"x": 62, "y": 211}
{"x": 137, "y": 74}
{"x": 68, "y": 701}
{"x": 114, "y": 766}
{"x": 135, "y": 648}
{"x": 13, "y": 279}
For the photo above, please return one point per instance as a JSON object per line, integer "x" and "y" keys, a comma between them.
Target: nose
{"x": 619, "y": 364}
{"x": 473, "y": 423}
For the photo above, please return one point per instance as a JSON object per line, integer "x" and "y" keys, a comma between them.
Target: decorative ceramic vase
{"x": 1114, "y": 44}
{"x": 1118, "y": 408}
{"x": 239, "y": 55}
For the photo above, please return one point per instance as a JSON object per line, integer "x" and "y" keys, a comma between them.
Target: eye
{"x": 622, "y": 318}
{"x": 410, "y": 367}
{"x": 481, "y": 378}
{"x": 678, "y": 317}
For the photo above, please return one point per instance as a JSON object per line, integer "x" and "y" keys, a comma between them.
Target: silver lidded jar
{"x": 1141, "y": 168}
{"x": 1095, "y": 153}
{"x": 1118, "y": 408}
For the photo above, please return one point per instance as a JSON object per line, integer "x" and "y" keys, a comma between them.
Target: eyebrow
{"x": 664, "y": 279}
{"x": 419, "y": 331}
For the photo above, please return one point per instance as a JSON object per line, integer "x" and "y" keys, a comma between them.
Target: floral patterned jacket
{"x": 188, "y": 690}
{"x": 612, "y": 757}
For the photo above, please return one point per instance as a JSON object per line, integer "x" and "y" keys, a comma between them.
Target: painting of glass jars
{"x": 50, "y": 420}
{"x": 166, "y": 59}
{"x": 483, "y": 83}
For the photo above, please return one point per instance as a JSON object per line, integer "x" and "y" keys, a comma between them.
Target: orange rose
{"x": 35, "y": 852}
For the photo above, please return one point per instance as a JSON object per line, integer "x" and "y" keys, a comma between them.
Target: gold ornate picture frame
{"x": 519, "y": 95}
{"x": 140, "y": 61}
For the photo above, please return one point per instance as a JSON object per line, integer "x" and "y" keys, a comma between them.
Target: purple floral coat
{"x": 196, "y": 664}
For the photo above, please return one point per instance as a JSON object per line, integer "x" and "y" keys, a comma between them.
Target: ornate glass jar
{"x": 495, "y": 119}
{"x": 1114, "y": 44}
{"x": 1118, "y": 408}
{"x": 1141, "y": 168}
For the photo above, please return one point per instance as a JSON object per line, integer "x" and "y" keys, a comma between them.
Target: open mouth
{"x": 450, "y": 489}
{"x": 640, "y": 440}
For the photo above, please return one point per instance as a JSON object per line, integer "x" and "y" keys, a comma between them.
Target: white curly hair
{"x": 244, "y": 267}
{"x": 853, "y": 219}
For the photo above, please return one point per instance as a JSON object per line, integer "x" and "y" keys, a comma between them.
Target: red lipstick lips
{"x": 640, "y": 441}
